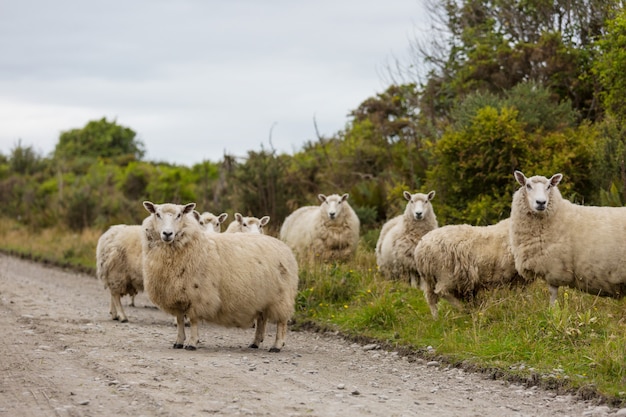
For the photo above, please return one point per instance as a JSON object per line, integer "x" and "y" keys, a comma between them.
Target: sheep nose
{"x": 418, "y": 214}
{"x": 541, "y": 204}
{"x": 167, "y": 236}
{"x": 331, "y": 215}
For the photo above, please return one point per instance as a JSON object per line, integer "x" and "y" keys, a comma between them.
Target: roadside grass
{"x": 577, "y": 346}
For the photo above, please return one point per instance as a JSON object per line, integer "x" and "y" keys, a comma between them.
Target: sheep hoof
{"x": 124, "y": 321}
{"x": 253, "y": 346}
{"x": 189, "y": 347}
{"x": 116, "y": 318}
{"x": 274, "y": 349}
{"x": 178, "y": 345}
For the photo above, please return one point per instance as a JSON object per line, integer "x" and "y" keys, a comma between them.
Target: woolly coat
{"x": 399, "y": 236}
{"x": 314, "y": 235}
{"x": 581, "y": 247}
{"x": 119, "y": 266}
{"x": 457, "y": 261}
{"x": 220, "y": 278}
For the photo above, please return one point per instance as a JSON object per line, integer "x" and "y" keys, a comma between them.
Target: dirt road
{"x": 61, "y": 355}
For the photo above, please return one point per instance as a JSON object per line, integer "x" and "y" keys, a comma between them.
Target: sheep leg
{"x": 132, "y": 301}
{"x": 554, "y": 292}
{"x": 414, "y": 280}
{"x": 281, "y": 333}
{"x": 193, "y": 337}
{"x": 180, "y": 326}
{"x": 116, "y": 309}
{"x": 259, "y": 333}
{"x": 431, "y": 299}
{"x": 455, "y": 302}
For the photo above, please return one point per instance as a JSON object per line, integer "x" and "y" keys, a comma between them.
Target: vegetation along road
{"x": 61, "y": 355}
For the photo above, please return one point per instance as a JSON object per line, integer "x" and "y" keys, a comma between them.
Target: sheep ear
{"x": 188, "y": 208}
{"x": 238, "y": 217}
{"x": 345, "y": 197}
{"x": 520, "y": 177}
{"x": 265, "y": 220}
{"x": 321, "y": 197}
{"x": 149, "y": 206}
{"x": 196, "y": 215}
{"x": 407, "y": 195}
{"x": 222, "y": 217}
{"x": 556, "y": 179}
{"x": 431, "y": 195}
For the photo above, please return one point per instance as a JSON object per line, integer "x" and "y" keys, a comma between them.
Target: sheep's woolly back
{"x": 223, "y": 278}
{"x": 566, "y": 244}
{"x": 118, "y": 259}
{"x": 398, "y": 237}
{"x": 458, "y": 261}
{"x": 118, "y": 265}
{"x": 243, "y": 224}
{"x": 328, "y": 232}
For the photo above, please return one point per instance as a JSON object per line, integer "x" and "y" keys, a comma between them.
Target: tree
{"x": 99, "y": 138}
{"x": 492, "y": 45}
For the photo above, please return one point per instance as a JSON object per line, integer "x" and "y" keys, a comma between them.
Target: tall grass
{"x": 577, "y": 346}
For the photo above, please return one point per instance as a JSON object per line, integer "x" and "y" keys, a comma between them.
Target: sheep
{"x": 211, "y": 222}
{"x": 565, "y": 244}
{"x": 329, "y": 231}
{"x": 118, "y": 265}
{"x": 219, "y": 278}
{"x": 399, "y": 235}
{"x": 457, "y": 261}
{"x": 247, "y": 224}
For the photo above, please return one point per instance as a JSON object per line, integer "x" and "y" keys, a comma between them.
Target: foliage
{"x": 99, "y": 138}
{"x": 609, "y": 66}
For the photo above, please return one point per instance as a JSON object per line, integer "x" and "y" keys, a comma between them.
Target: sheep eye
{"x": 529, "y": 186}
{"x": 158, "y": 215}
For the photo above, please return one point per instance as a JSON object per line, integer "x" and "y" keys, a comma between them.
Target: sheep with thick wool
{"x": 118, "y": 265}
{"x": 243, "y": 224}
{"x": 398, "y": 237}
{"x": 566, "y": 244}
{"x": 455, "y": 262}
{"x": 211, "y": 222}
{"x": 328, "y": 232}
{"x": 219, "y": 278}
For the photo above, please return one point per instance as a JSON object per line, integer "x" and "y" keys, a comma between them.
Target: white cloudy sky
{"x": 196, "y": 78}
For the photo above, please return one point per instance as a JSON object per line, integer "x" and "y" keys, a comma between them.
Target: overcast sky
{"x": 196, "y": 78}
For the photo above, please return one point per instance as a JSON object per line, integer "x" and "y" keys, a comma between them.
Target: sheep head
{"x": 418, "y": 204}
{"x": 251, "y": 224}
{"x": 538, "y": 190}
{"x": 168, "y": 218}
{"x": 332, "y": 204}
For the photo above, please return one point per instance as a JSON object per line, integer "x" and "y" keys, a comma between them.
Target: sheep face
{"x": 168, "y": 218}
{"x": 537, "y": 190}
{"x": 418, "y": 204}
{"x": 332, "y": 204}
{"x": 251, "y": 224}
{"x": 212, "y": 223}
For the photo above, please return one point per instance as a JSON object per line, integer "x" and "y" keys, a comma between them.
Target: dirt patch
{"x": 61, "y": 355}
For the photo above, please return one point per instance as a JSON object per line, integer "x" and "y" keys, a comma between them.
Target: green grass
{"x": 578, "y": 346}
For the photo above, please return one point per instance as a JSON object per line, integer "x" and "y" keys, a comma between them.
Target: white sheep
{"x": 581, "y": 247}
{"x": 220, "y": 278}
{"x": 455, "y": 262}
{"x": 398, "y": 237}
{"x": 118, "y": 265}
{"x": 243, "y": 224}
{"x": 211, "y": 222}
{"x": 328, "y": 232}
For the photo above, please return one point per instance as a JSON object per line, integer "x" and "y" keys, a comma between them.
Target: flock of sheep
{"x": 245, "y": 278}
